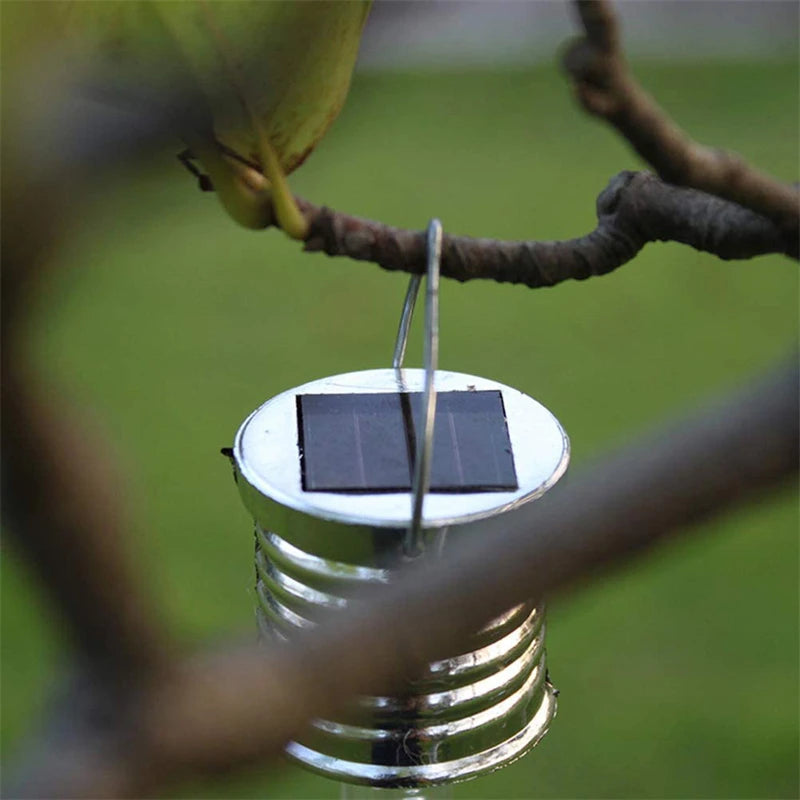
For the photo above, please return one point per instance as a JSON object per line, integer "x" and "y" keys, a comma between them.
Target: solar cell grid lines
{"x": 361, "y": 443}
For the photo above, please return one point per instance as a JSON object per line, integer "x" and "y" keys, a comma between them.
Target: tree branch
{"x": 606, "y": 88}
{"x": 634, "y": 209}
{"x": 61, "y": 492}
{"x": 62, "y": 509}
{"x": 229, "y": 708}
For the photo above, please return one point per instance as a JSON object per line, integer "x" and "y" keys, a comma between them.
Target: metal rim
{"x": 268, "y": 475}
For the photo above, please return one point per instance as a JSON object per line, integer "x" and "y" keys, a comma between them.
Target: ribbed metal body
{"x": 465, "y": 715}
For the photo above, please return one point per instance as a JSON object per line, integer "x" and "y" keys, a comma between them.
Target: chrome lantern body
{"x": 347, "y": 476}
{"x": 466, "y": 715}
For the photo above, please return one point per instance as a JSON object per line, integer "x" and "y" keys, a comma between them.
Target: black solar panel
{"x": 366, "y": 442}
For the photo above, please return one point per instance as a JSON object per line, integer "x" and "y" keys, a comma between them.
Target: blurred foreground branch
{"x": 140, "y": 717}
{"x": 61, "y": 506}
{"x": 229, "y": 708}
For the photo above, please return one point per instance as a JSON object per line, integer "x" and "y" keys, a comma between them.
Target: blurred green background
{"x": 678, "y": 674}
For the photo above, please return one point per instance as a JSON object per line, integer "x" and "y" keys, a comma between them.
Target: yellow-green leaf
{"x": 256, "y": 77}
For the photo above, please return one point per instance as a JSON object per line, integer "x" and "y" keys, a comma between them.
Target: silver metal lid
{"x": 267, "y": 457}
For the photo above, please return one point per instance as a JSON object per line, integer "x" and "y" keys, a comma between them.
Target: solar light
{"x": 348, "y": 475}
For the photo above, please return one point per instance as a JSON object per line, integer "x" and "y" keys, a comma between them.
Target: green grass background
{"x": 678, "y": 674}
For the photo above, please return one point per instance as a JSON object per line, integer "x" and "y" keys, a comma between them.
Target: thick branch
{"x": 61, "y": 492}
{"x": 223, "y": 710}
{"x": 635, "y": 208}
{"x": 606, "y": 88}
{"x": 710, "y": 462}
{"x": 62, "y": 507}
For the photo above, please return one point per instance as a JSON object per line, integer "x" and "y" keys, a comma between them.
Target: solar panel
{"x": 367, "y": 442}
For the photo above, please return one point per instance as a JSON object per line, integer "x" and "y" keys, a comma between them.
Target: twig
{"x": 607, "y": 89}
{"x": 230, "y": 708}
{"x": 635, "y": 208}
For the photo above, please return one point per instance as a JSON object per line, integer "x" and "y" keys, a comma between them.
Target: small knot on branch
{"x": 609, "y": 199}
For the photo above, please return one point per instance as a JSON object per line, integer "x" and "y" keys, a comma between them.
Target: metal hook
{"x": 405, "y": 321}
{"x": 412, "y": 545}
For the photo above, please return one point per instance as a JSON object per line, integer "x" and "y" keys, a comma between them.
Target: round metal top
{"x": 266, "y": 451}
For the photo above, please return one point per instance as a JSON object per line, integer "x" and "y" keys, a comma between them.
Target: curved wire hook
{"x": 412, "y": 545}
{"x": 405, "y": 321}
